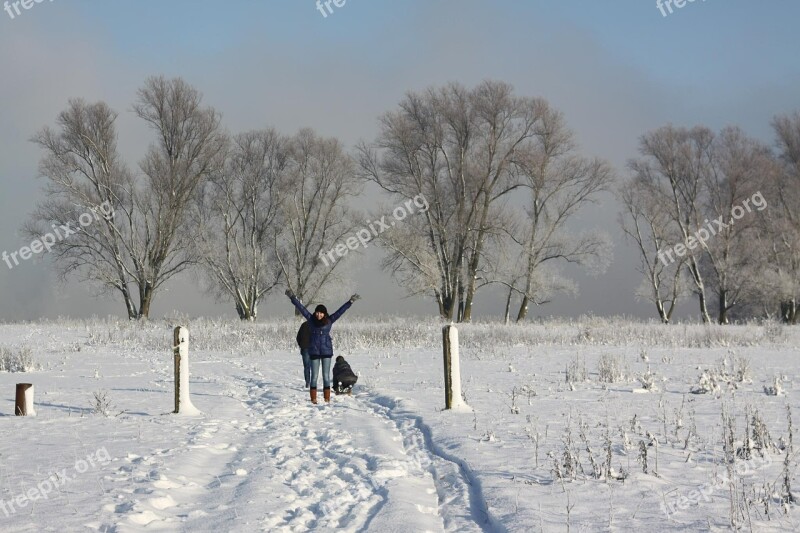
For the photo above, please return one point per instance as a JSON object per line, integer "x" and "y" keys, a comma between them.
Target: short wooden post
{"x": 452, "y": 371}
{"x": 23, "y": 404}
{"x": 180, "y": 346}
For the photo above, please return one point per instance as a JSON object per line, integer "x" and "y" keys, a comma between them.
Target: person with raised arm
{"x": 320, "y": 346}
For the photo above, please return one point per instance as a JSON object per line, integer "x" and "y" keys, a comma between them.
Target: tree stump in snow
{"x": 180, "y": 346}
{"x": 23, "y": 404}
{"x": 452, "y": 370}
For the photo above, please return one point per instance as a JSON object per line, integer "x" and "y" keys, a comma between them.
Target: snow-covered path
{"x": 266, "y": 459}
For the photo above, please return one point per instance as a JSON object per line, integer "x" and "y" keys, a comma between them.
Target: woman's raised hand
{"x": 354, "y": 297}
{"x": 289, "y": 293}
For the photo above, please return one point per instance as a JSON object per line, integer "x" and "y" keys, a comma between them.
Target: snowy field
{"x": 581, "y": 426}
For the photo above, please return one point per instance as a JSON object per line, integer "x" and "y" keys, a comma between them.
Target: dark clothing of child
{"x": 303, "y": 340}
{"x": 343, "y": 376}
{"x": 304, "y": 336}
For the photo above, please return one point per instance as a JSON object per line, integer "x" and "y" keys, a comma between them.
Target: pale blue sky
{"x": 615, "y": 68}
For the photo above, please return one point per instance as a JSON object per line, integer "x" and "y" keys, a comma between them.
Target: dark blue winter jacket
{"x": 321, "y": 345}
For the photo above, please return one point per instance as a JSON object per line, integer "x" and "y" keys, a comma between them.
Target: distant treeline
{"x": 500, "y": 178}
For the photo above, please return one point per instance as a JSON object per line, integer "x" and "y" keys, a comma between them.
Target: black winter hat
{"x": 321, "y": 308}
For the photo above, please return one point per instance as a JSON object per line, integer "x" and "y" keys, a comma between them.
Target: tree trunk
{"x": 245, "y": 312}
{"x": 701, "y": 296}
{"x": 440, "y": 303}
{"x": 662, "y": 313}
{"x": 446, "y": 308}
{"x": 460, "y": 303}
{"x": 466, "y": 314}
{"x": 147, "y": 298}
{"x": 672, "y": 305}
{"x": 466, "y": 299}
{"x": 523, "y": 309}
{"x": 507, "y": 315}
{"x": 523, "y": 306}
{"x": 700, "y": 290}
{"x": 129, "y": 306}
{"x": 789, "y": 311}
{"x": 723, "y": 307}
{"x": 473, "y": 269}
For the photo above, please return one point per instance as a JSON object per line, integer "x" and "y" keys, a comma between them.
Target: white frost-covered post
{"x": 452, "y": 370}
{"x": 23, "y": 403}
{"x": 183, "y": 404}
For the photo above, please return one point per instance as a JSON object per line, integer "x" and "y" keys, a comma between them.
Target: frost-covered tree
{"x": 646, "y": 222}
{"x": 186, "y": 151}
{"x": 84, "y": 169}
{"x": 732, "y": 194}
{"x": 319, "y": 182}
{"x": 238, "y": 215}
{"x": 559, "y": 182}
{"x": 781, "y": 233}
{"x": 457, "y": 148}
{"x": 675, "y": 164}
{"x": 146, "y": 242}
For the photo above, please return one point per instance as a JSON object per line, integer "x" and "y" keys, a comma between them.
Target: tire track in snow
{"x": 459, "y": 490}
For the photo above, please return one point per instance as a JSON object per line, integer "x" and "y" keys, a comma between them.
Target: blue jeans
{"x": 306, "y": 365}
{"x": 326, "y": 372}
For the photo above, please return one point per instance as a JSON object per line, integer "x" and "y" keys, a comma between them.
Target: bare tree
{"x": 731, "y": 265}
{"x": 83, "y": 170}
{"x": 508, "y": 261}
{"x": 785, "y": 227}
{"x": 145, "y": 243}
{"x": 560, "y": 183}
{"x": 319, "y": 182}
{"x": 646, "y": 221}
{"x": 456, "y": 147}
{"x": 238, "y": 215}
{"x": 675, "y": 165}
{"x": 187, "y": 149}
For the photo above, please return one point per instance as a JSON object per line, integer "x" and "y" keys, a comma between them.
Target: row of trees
{"x": 501, "y": 173}
{"x": 245, "y": 212}
{"x": 687, "y": 180}
{"x": 256, "y": 210}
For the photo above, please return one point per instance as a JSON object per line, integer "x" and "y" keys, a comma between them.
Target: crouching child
{"x": 343, "y": 377}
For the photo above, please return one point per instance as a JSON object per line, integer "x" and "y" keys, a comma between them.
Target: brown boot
{"x": 326, "y": 392}
{"x": 313, "y": 394}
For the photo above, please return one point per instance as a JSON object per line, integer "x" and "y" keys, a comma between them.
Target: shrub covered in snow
{"x": 730, "y": 375}
{"x": 16, "y": 360}
{"x": 776, "y": 389}
{"x": 708, "y": 383}
{"x": 648, "y": 381}
{"x": 576, "y": 371}
{"x": 611, "y": 368}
